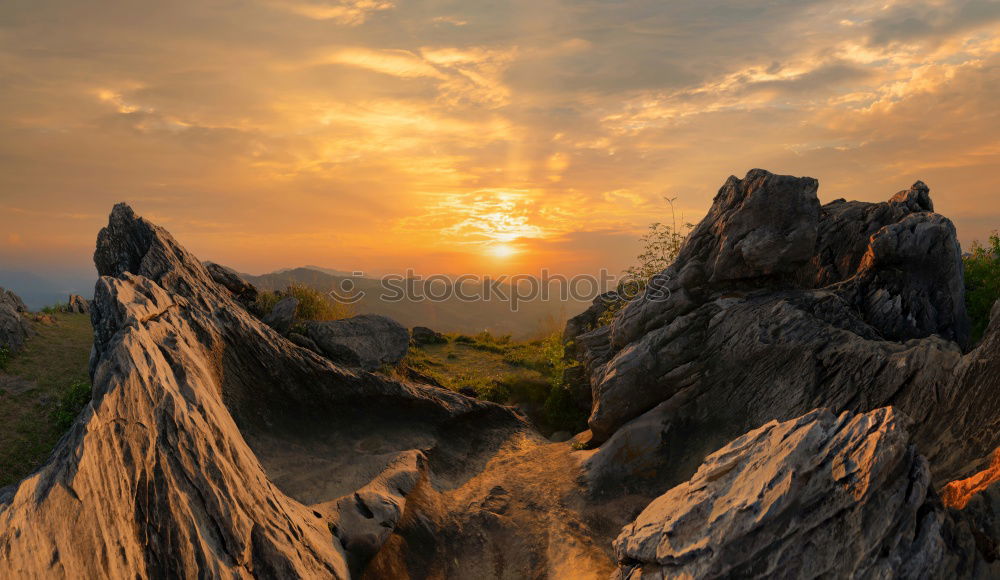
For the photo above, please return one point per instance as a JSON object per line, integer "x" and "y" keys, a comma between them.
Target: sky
{"x": 471, "y": 136}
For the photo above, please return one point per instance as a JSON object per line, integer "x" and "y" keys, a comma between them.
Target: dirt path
{"x": 523, "y": 516}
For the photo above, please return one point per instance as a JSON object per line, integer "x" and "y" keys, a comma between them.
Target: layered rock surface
{"x": 776, "y": 306}
{"x": 816, "y": 496}
{"x": 367, "y": 341}
{"x": 192, "y": 457}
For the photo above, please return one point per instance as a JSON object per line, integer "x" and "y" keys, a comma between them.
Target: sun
{"x": 501, "y": 250}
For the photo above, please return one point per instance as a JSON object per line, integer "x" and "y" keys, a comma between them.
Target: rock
{"x": 77, "y": 305}
{"x": 589, "y": 319}
{"x": 865, "y": 310}
{"x": 244, "y": 292}
{"x": 367, "y": 341}
{"x": 14, "y": 326}
{"x": 282, "y": 316}
{"x": 195, "y": 404}
{"x": 820, "y": 495}
{"x": 305, "y": 342}
{"x": 8, "y": 297}
{"x": 423, "y": 335}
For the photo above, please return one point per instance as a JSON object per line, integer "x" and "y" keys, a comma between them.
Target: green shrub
{"x": 4, "y": 357}
{"x": 71, "y": 403}
{"x": 313, "y": 304}
{"x": 54, "y": 308}
{"x": 265, "y": 302}
{"x": 982, "y": 283}
{"x": 561, "y": 411}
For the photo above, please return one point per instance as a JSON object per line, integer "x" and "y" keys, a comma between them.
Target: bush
{"x": 71, "y": 403}
{"x": 982, "y": 283}
{"x": 54, "y": 308}
{"x": 313, "y": 304}
{"x": 4, "y": 357}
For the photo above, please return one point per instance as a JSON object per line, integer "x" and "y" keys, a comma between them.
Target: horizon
{"x": 457, "y": 138}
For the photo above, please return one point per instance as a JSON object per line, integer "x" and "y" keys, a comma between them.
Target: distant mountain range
{"x": 494, "y": 313}
{"x": 532, "y": 318}
{"x": 38, "y": 291}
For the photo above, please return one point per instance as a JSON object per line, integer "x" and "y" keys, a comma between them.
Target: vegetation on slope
{"x": 660, "y": 245}
{"x": 313, "y": 304}
{"x": 982, "y": 283}
{"x": 42, "y": 390}
{"x": 526, "y": 374}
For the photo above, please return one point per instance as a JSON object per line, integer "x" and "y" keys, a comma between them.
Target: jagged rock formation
{"x": 14, "y": 326}
{"x": 815, "y": 496}
{"x": 244, "y": 292}
{"x": 776, "y": 306}
{"x": 367, "y": 341}
{"x": 176, "y": 467}
{"x": 77, "y": 305}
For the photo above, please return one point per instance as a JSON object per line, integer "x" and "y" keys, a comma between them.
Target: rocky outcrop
{"x": 244, "y": 292}
{"x": 816, "y": 496}
{"x": 421, "y": 335}
{"x": 367, "y": 341}
{"x": 8, "y": 297}
{"x": 282, "y": 316}
{"x": 14, "y": 326}
{"x": 776, "y": 306}
{"x": 199, "y": 452}
{"x": 77, "y": 305}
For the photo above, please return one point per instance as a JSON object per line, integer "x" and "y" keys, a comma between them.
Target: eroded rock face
{"x": 190, "y": 458}
{"x": 367, "y": 341}
{"x": 244, "y": 292}
{"x": 776, "y": 306}
{"x": 15, "y": 329}
{"x": 843, "y": 496}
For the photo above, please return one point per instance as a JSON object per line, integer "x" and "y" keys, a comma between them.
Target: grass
{"x": 527, "y": 374}
{"x": 53, "y": 381}
{"x": 54, "y": 308}
{"x": 313, "y": 304}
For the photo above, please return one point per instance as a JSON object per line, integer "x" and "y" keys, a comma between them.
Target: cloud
{"x": 346, "y": 12}
{"x": 316, "y": 127}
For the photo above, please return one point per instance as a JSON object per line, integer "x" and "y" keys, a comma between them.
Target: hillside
{"x": 42, "y": 389}
{"x": 533, "y": 317}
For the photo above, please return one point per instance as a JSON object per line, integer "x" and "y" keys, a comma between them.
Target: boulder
{"x": 422, "y": 335}
{"x": 282, "y": 316}
{"x": 367, "y": 341}
{"x": 863, "y": 309}
{"x": 214, "y": 447}
{"x": 244, "y": 292}
{"x": 15, "y": 329}
{"x": 821, "y": 495}
{"x": 305, "y": 342}
{"x": 8, "y": 297}
{"x": 77, "y": 305}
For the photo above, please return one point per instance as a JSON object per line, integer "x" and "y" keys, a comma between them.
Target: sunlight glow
{"x": 501, "y": 250}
